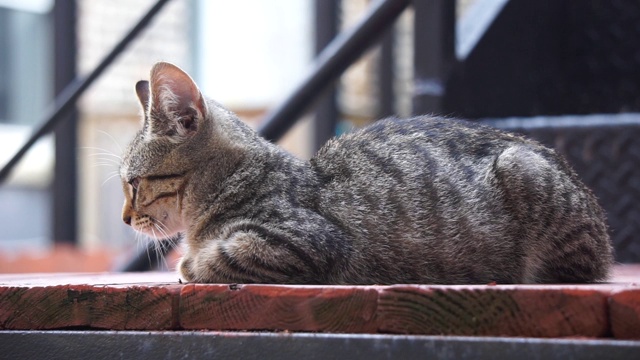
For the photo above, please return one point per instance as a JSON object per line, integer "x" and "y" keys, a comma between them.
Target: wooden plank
{"x": 291, "y": 308}
{"x": 624, "y": 310}
{"x": 157, "y": 301}
{"x": 495, "y": 311}
{"x": 100, "y": 307}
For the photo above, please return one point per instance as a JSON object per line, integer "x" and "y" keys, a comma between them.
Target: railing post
{"x": 386, "y": 71}
{"x": 434, "y": 53}
{"x": 326, "y": 115}
{"x": 64, "y": 187}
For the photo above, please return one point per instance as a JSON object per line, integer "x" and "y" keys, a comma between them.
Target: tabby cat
{"x": 424, "y": 200}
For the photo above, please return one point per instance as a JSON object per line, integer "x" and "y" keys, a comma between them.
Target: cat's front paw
{"x": 185, "y": 267}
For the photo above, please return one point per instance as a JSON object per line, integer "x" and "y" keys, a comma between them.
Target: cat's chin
{"x": 164, "y": 235}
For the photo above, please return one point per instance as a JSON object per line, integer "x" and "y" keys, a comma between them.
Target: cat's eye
{"x": 135, "y": 182}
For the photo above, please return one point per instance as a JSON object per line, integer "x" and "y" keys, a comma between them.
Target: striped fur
{"x": 423, "y": 200}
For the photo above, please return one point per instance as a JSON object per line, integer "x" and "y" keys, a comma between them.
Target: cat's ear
{"x": 142, "y": 90}
{"x": 177, "y": 99}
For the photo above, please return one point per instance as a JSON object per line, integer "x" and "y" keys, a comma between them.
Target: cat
{"x": 425, "y": 200}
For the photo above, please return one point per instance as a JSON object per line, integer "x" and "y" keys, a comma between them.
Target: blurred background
{"x": 564, "y": 72}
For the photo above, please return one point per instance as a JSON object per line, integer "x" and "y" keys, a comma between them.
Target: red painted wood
{"x": 259, "y": 307}
{"x": 625, "y": 314}
{"x": 157, "y": 301}
{"x": 102, "y": 307}
{"x": 493, "y": 311}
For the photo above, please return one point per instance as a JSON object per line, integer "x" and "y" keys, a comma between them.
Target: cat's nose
{"x": 126, "y": 212}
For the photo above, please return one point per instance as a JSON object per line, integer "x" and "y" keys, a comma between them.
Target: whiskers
{"x": 105, "y": 158}
{"x": 159, "y": 242}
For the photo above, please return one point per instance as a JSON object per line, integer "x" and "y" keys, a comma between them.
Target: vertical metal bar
{"x": 386, "y": 93}
{"x": 65, "y": 171}
{"x": 326, "y": 115}
{"x": 434, "y": 36}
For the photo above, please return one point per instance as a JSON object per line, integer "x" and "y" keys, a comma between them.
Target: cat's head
{"x": 158, "y": 162}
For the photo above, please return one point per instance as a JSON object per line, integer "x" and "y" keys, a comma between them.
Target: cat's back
{"x": 396, "y": 143}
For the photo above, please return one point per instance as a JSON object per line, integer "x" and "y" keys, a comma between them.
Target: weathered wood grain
{"x": 493, "y": 311}
{"x": 624, "y": 307}
{"x": 156, "y": 301}
{"x": 103, "y": 307}
{"x": 292, "y": 308}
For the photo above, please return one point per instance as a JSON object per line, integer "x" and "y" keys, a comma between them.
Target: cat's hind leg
{"x": 560, "y": 226}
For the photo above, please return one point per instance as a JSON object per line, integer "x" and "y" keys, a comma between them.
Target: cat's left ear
{"x": 176, "y": 97}
{"x": 142, "y": 90}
